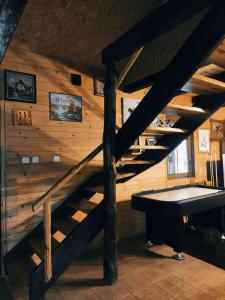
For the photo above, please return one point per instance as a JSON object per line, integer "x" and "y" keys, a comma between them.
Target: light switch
{"x": 25, "y": 159}
{"x": 56, "y": 158}
{"x": 35, "y": 159}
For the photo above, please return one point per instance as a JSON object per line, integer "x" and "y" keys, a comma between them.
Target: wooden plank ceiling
{"x": 75, "y": 32}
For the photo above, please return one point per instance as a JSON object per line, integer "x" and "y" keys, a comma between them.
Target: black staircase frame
{"x": 180, "y": 69}
{"x": 211, "y": 103}
{"x": 197, "y": 47}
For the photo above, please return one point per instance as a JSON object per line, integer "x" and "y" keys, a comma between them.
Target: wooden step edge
{"x": 100, "y": 188}
{"x": 125, "y": 175}
{"x": 178, "y": 109}
{"x": 65, "y": 225}
{"x": 96, "y": 189}
{"x": 134, "y": 162}
{"x": 36, "y": 259}
{"x": 58, "y": 236}
{"x": 83, "y": 205}
{"x": 164, "y": 130}
{"x": 145, "y": 147}
{"x": 37, "y": 246}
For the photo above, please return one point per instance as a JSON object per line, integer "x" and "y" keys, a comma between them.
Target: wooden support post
{"x": 3, "y": 150}
{"x": 110, "y": 236}
{"x": 48, "y": 240}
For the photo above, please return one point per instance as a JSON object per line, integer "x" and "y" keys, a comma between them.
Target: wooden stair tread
{"x": 64, "y": 225}
{"x": 38, "y": 246}
{"x": 125, "y": 175}
{"x": 182, "y": 110}
{"x": 19, "y": 269}
{"x": 100, "y": 188}
{"x": 135, "y": 162}
{"x": 97, "y": 189}
{"x": 163, "y": 130}
{"x": 145, "y": 147}
{"x": 85, "y": 206}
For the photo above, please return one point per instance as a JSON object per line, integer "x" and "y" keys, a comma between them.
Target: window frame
{"x": 191, "y": 161}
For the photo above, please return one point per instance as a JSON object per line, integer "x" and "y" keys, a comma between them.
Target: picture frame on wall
{"x": 128, "y": 106}
{"x": 65, "y": 107}
{"x": 99, "y": 83}
{"x": 22, "y": 117}
{"x": 204, "y": 140}
{"x": 217, "y": 129}
{"x": 20, "y": 86}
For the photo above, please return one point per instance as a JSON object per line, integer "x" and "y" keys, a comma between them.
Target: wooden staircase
{"x": 77, "y": 221}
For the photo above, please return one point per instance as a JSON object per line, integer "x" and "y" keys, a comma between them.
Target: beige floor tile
{"x": 194, "y": 294}
{"x": 173, "y": 285}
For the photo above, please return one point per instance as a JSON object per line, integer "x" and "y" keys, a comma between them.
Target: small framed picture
{"x": 20, "y": 86}
{"x": 217, "y": 130}
{"x": 22, "y": 117}
{"x": 63, "y": 107}
{"x": 150, "y": 141}
{"x": 204, "y": 140}
{"x": 99, "y": 84}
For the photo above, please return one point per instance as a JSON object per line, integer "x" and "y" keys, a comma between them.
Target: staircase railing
{"x": 45, "y": 200}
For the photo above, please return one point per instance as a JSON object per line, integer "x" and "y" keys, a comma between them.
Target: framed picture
{"x": 99, "y": 84}
{"x": 20, "y": 86}
{"x": 150, "y": 141}
{"x": 204, "y": 140}
{"x": 63, "y": 107}
{"x": 22, "y": 117}
{"x": 217, "y": 130}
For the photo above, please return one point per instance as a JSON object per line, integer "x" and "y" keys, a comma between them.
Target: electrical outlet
{"x": 56, "y": 158}
{"x": 35, "y": 159}
{"x": 25, "y": 159}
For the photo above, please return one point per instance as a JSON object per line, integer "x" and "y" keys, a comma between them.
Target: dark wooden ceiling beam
{"x": 199, "y": 44}
{"x": 10, "y": 12}
{"x": 155, "y": 24}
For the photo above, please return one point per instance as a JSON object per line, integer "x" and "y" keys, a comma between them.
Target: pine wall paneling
{"x": 72, "y": 141}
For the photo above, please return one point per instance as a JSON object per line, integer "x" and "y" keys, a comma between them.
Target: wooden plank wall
{"x": 71, "y": 140}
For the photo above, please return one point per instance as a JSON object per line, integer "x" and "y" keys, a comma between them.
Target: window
{"x": 180, "y": 161}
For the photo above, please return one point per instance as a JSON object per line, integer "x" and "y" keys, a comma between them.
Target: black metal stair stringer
{"x": 67, "y": 252}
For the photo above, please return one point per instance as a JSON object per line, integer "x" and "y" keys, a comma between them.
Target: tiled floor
{"x": 142, "y": 275}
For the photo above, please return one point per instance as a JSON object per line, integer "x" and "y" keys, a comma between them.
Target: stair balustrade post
{"x": 48, "y": 240}
{"x": 110, "y": 235}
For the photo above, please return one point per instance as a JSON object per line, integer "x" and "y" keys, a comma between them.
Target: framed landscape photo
{"x": 204, "y": 140}
{"x": 20, "y": 86}
{"x": 64, "y": 107}
{"x": 99, "y": 84}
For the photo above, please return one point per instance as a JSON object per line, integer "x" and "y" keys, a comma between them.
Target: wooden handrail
{"x": 62, "y": 181}
{"x": 46, "y": 202}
